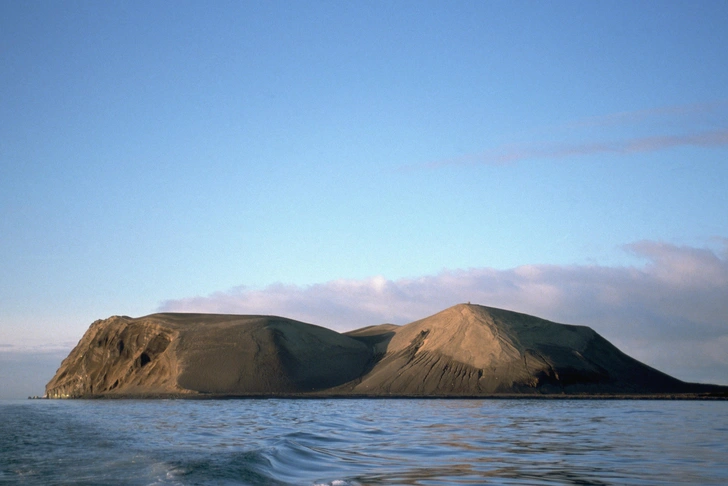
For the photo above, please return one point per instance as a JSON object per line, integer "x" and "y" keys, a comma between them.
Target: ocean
{"x": 360, "y": 442}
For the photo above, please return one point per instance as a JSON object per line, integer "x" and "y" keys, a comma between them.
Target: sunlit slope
{"x": 476, "y": 350}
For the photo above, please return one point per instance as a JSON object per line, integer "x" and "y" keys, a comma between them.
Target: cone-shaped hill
{"x": 475, "y": 350}
{"x": 466, "y": 350}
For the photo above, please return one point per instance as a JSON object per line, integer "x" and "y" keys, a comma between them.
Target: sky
{"x": 354, "y": 163}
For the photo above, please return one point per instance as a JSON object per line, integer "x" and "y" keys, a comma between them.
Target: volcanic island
{"x": 465, "y": 351}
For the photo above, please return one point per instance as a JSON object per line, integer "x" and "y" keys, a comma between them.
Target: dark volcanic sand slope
{"x": 268, "y": 355}
{"x": 466, "y": 350}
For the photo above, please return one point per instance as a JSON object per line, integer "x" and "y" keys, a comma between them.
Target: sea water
{"x": 360, "y": 442}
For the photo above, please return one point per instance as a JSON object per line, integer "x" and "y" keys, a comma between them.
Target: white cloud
{"x": 671, "y": 312}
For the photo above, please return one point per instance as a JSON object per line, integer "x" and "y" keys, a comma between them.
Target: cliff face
{"x": 120, "y": 354}
{"x": 466, "y": 350}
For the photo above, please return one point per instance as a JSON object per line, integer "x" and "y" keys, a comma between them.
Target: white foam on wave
{"x": 165, "y": 473}
{"x": 338, "y": 482}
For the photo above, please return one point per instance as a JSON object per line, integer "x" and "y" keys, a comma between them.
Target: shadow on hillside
{"x": 378, "y": 343}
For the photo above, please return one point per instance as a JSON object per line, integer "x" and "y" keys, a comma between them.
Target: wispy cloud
{"x": 709, "y": 111}
{"x": 670, "y": 312}
{"x": 696, "y": 125}
{"x": 514, "y": 153}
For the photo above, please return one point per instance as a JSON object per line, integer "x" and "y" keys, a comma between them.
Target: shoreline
{"x": 723, "y": 396}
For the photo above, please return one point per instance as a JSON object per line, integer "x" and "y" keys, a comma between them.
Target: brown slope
{"x": 203, "y": 353}
{"x": 376, "y": 337}
{"x": 475, "y": 350}
{"x": 466, "y": 350}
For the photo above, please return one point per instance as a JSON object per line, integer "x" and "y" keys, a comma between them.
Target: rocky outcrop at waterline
{"x": 466, "y": 350}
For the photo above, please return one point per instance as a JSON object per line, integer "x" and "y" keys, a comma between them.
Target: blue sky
{"x": 349, "y": 163}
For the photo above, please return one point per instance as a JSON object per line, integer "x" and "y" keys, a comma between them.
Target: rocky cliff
{"x": 466, "y": 350}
